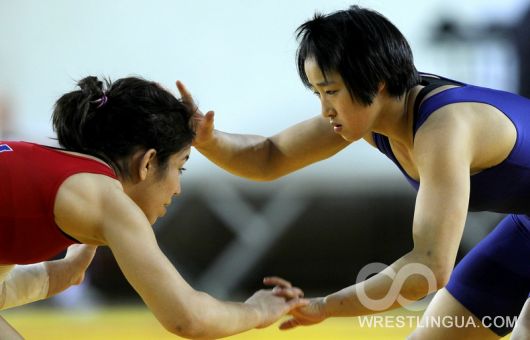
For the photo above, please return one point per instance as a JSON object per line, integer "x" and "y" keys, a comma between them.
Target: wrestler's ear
{"x": 148, "y": 164}
{"x": 143, "y": 164}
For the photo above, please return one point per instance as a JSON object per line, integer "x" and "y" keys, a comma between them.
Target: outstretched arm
{"x": 264, "y": 158}
{"x": 103, "y": 212}
{"x": 443, "y": 159}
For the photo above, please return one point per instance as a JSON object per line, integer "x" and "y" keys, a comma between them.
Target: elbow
{"x": 440, "y": 272}
{"x": 272, "y": 166}
{"x": 423, "y": 283}
{"x": 191, "y": 322}
{"x": 431, "y": 274}
{"x": 267, "y": 172}
{"x": 191, "y": 325}
{"x": 185, "y": 324}
{"x": 441, "y": 268}
{"x": 272, "y": 170}
{"x": 442, "y": 275}
{"x": 187, "y": 328}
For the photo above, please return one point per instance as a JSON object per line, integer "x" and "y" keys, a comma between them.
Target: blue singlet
{"x": 493, "y": 279}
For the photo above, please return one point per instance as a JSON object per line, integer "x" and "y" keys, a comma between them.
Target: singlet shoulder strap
{"x": 99, "y": 164}
{"x": 381, "y": 142}
{"x": 430, "y": 83}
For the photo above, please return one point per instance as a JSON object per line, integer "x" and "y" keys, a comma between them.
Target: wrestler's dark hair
{"x": 364, "y": 47}
{"x": 113, "y": 120}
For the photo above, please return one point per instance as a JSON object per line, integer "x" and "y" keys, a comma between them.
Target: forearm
{"x": 24, "y": 284}
{"x": 408, "y": 279}
{"x": 28, "y": 283}
{"x": 242, "y": 155}
{"x": 216, "y": 319}
{"x": 267, "y": 158}
{"x": 62, "y": 274}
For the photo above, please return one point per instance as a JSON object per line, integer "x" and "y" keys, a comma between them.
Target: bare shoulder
{"x": 461, "y": 128}
{"x": 446, "y": 133}
{"x": 81, "y": 202}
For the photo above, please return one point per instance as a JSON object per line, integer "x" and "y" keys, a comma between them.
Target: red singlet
{"x": 30, "y": 176}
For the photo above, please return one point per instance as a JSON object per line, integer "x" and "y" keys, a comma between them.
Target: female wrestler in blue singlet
{"x": 469, "y": 147}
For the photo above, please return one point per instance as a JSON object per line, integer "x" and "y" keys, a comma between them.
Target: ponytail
{"x": 72, "y": 112}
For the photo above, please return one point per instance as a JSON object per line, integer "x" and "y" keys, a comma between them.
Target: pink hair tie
{"x": 101, "y": 101}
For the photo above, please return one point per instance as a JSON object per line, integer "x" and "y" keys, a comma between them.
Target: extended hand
{"x": 309, "y": 314}
{"x": 69, "y": 271}
{"x": 202, "y": 123}
{"x": 272, "y": 306}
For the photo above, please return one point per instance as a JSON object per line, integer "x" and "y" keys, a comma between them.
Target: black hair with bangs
{"x": 364, "y": 47}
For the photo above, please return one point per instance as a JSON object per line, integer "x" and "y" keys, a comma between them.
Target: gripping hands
{"x": 310, "y": 313}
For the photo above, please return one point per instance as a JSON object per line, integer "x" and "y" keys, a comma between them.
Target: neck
{"x": 395, "y": 119}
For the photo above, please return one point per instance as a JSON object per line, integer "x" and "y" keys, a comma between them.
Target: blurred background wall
{"x": 317, "y": 227}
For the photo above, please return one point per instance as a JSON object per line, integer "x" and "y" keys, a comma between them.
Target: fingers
{"x": 298, "y": 303}
{"x": 198, "y": 117}
{"x": 209, "y": 116}
{"x": 90, "y": 247}
{"x": 76, "y": 249}
{"x": 289, "y": 324}
{"x": 186, "y": 97}
{"x": 78, "y": 279}
{"x": 276, "y": 281}
{"x": 207, "y": 119}
{"x": 184, "y": 93}
{"x": 283, "y": 288}
{"x": 289, "y": 293}
{"x": 80, "y": 255}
